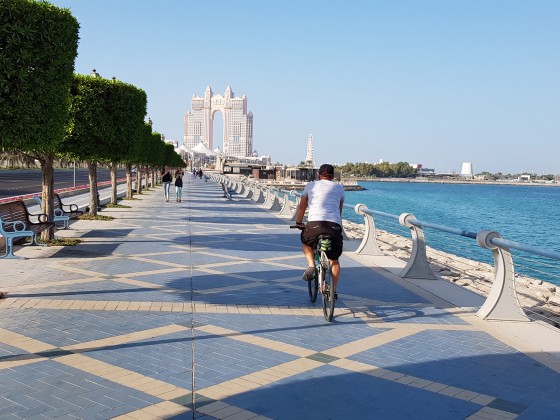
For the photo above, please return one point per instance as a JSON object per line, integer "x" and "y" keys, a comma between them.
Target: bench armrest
{"x": 17, "y": 226}
{"x": 58, "y": 212}
{"x": 40, "y": 216}
{"x": 73, "y": 207}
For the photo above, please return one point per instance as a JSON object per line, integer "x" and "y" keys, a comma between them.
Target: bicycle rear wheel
{"x": 328, "y": 293}
{"x": 313, "y": 286}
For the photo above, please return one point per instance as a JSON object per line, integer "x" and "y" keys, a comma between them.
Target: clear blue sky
{"x": 436, "y": 82}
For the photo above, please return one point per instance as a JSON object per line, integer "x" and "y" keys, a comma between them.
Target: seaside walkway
{"x": 197, "y": 310}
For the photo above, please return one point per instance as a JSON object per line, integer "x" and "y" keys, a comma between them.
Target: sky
{"x": 436, "y": 82}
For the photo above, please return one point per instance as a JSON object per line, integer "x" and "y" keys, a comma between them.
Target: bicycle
{"x": 323, "y": 279}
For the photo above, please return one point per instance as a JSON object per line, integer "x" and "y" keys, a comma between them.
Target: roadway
{"x": 28, "y": 181}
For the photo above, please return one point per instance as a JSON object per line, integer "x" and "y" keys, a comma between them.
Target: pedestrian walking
{"x": 178, "y": 187}
{"x": 166, "y": 179}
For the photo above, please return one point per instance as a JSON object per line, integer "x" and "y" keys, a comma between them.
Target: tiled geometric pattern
{"x": 197, "y": 310}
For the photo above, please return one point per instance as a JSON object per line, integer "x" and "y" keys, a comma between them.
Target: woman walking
{"x": 166, "y": 183}
{"x": 178, "y": 187}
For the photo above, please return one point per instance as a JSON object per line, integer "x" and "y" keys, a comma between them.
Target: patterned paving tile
{"x": 308, "y": 332}
{"x": 55, "y": 390}
{"x": 390, "y": 354}
{"x": 415, "y": 314}
{"x": 329, "y": 392}
{"x": 465, "y": 359}
{"x": 64, "y": 328}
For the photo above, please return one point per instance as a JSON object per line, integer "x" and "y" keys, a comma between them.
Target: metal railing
{"x": 502, "y": 302}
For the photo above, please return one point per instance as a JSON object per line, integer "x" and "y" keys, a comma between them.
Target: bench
{"x": 61, "y": 215}
{"x": 15, "y": 223}
{"x": 227, "y": 192}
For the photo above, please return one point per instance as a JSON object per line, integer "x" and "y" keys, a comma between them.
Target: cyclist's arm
{"x": 341, "y": 206}
{"x": 301, "y": 209}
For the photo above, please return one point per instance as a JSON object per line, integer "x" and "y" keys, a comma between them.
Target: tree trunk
{"x": 92, "y": 172}
{"x": 129, "y": 180}
{"x": 153, "y": 177}
{"x": 138, "y": 179}
{"x": 147, "y": 176}
{"x": 47, "y": 196}
{"x": 114, "y": 199}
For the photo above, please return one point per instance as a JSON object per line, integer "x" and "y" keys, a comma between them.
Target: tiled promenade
{"x": 197, "y": 310}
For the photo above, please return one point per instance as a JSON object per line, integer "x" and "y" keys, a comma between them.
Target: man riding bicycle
{"x": 324, "y": 200}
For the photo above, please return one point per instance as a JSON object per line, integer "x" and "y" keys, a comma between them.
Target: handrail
{"x": 504, "y": 243}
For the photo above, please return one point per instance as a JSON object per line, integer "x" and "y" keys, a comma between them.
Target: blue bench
{"x": 15, "y": 224}
{"x": 60, "y": 214}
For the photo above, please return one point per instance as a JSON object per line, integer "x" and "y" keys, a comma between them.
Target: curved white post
{"x": 369, "y": 242}
{"x": 294, "y": 215}
{"x": 502, "y": 302}
{"x": 417, "y": 266}
{"x": 268, "y": 198}
{"x": 275, "y": 203}
{"x": 285, "y": 210}
{"x": 259, "y": 199}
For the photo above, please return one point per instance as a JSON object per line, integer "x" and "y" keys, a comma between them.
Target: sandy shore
{"x": 539, "y": 299}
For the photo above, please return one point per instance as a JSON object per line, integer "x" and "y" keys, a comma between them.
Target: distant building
{"x": 421, "y": 171}
{"x": 309, "y": 155}
{"x": 238, "y": 124}
{"x": 466, "y": 170}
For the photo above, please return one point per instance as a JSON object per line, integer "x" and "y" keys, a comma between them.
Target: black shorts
{"x": 312, "y": 231}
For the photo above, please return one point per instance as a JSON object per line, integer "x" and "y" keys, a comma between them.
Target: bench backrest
{"x": 14, "y": 211}
{"x": 57, "y": 202}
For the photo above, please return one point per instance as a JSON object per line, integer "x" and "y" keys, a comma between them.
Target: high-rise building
{"x": 467, "y": 170}
{"x": 309, "y": 156}
{"x": 238, "y": 124}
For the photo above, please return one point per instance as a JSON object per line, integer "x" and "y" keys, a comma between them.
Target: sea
{"x": 523, "y": 213}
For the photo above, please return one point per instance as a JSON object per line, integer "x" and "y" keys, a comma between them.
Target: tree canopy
{"x": 38, "y": 45}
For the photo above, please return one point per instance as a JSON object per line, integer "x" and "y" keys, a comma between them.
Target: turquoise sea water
{"x": 526, "y": 214}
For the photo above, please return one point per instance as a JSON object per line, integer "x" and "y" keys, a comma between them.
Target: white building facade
{"x": 238, "y": 124}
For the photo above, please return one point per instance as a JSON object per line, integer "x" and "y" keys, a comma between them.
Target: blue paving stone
{"x": 7, "y": 351}
{"x": 328, "y": 392}
{"x": 218, "y": 364}
{"x": 470, "y": 360}
{"x": 63, "y": 328}
{"x": 415, "y": 314}
{"x": 308, "y": 332}
{"x": 119, "y": 266}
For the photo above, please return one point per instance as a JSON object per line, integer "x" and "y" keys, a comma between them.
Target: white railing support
{"x": 285, "y": 211}
{"x": 259, "y": 199}
{"x": 502, "y": 302}
{"x": 417, "y": 266}
{"x": 294, "y": 215}
{"x": 275, "y": 206}
{"x": 369, "y": 244}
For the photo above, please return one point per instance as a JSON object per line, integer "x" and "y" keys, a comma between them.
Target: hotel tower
{"x": 238, "y": 124}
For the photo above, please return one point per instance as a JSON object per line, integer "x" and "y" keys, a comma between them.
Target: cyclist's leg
{"x": 335, "y": 268}
{"x": 308, "y": 253}
{"x": 308, "y": 247}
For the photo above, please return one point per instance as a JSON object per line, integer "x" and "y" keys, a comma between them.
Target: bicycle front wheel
{"x": 313, "y": 286}
{"x": 328, "y": 293}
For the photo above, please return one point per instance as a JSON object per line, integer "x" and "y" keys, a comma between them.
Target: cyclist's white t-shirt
{"x": 324, "y": 199}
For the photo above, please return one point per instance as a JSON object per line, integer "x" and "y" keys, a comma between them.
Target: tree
{"x": 127, "y": 111}
{"x": 38, "y": 46}
{"x": 90, "y": 131}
